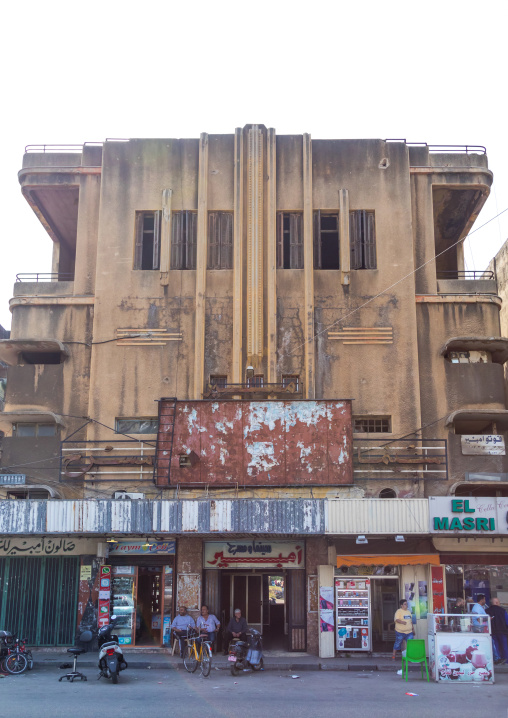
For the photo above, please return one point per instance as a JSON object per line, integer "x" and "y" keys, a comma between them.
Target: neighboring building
{"x": 245, "y": 347}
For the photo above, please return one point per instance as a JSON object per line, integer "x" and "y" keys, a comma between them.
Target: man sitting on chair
{"x": 236, "y": 628}
{"x": 181, "y": 625}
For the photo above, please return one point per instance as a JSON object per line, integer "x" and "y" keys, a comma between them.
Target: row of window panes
{"x": 258, "y": 380}
{"x": 34, "y": 430}
{"x": 371, "y": 424}
{"x": 289, "y": 232}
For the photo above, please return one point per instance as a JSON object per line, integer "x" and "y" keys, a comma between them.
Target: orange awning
{"x": 397, "y": 560}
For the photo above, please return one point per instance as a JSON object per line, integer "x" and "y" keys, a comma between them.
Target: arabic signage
{"x": 140, "y": 547}
{"x": 46, "y": 546}
{"x": 481, "y": 444}
{"x": 104, "y": 596}
{"x": 254, "y": 554}
{"x": 463, "y": 517}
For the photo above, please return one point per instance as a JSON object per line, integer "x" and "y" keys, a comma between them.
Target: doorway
{"x": 385, "y": 601}
{"x": 274, "y": 612}
{"x": 148, "y": 606}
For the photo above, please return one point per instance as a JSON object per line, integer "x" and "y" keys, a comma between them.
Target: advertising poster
{"x": 409, "y": 595}
{"x": 326, "y": 621}
{"x": 437, "y": 589}
{"x": 423, "y": 599}
{"x": 464, "y": 658}
{"x": 166, "y": 634}
{"x": 326, "y": 597}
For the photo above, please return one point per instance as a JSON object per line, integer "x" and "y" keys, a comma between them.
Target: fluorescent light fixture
{"x": 361, "y": 539}
{"x": 399, "y": 538}
{"x": 111, "y": 540}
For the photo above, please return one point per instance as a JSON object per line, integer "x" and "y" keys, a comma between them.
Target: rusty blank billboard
{"x": 265, "y": 443}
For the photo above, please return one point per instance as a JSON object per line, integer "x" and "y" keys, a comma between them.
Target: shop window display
{"x": 467, "y": 581}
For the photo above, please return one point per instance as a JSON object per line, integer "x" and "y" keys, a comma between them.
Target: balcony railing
{"x": 467, "y": 274}
{"x": 45, "y": 277}
{"x": 247, "y": 390}
{"x": 400, "y": 459}
{"x": 445, "y": 149}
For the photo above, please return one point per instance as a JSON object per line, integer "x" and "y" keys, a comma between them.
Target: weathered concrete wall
{"x": 189, "y": 567}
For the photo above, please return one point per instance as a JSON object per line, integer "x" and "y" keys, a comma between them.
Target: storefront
{"x": 266, "y": 580}
{"x": 366, "y": 594}
{"x": 39, "y": 585}
{"x": 142, "y": 578}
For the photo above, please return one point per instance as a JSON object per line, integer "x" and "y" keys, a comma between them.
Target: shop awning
{"x": 395, "y": 560}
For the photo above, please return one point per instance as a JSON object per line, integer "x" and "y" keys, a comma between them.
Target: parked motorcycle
{"x": 245, "y": 655}
{"x": 111, "y": 660}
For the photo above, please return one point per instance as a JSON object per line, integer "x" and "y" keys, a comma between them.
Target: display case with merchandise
{"x": 353, "y": 612}
{"x": 460, "y": 648}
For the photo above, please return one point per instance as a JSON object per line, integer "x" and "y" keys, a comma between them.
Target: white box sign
{"x": 468, "y": 516}
{"x": 482, "y": 444}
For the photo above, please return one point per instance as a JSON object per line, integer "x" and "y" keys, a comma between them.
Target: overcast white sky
{"x": 73, "y": 72}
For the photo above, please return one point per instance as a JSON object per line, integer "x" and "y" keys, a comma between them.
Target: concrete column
{"x": 189, "y": 567}
{"x": 201, "y": 257}
{"x": 271, "y": 264}
{"x": 423, "y": 234}
{"x": 255, "y": 181}
{"x": 327, "y": 639}
{"x": 308, "y": 263}
{"x": 237, "y": 349}
{"x": 344, "y": 240}
{"x": 165, "y": 239}
{"x": 87, "y": 233}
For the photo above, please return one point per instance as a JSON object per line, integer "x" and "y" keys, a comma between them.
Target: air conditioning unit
{"x": 128, "y": 495}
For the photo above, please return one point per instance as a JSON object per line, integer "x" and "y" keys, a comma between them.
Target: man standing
{"x": 181, "y": 625}
{"x": 403, "y": 626}
{"x": 479, "y": 610}
{"x": 236, "y": 628}
{"x": 499, "y": 629}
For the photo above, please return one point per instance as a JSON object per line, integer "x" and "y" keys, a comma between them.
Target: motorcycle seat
{"x": 76, "y": 651}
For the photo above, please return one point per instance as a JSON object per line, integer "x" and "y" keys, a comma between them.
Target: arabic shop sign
{"x": 485, "y": 516}
{"x": 475, "y": 444}
{"x": 141, "y": 547}
{"x": 47, "y": 547}
{"x": 254, "y": 554}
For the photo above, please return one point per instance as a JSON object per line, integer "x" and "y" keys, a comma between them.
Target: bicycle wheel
{"x": 16, "y": 663}
{"x": 189, "y": 659}
{"x": 206, "y": 661}
{"x": 30, "y": 660}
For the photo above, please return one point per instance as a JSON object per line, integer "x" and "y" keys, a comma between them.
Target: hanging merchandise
{"x": 352, "y": 607}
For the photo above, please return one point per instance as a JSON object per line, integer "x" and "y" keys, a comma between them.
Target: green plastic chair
{"x": 415, "y": 653}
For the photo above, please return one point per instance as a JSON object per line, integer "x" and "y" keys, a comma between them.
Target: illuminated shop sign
{"x": 484, "y": 516}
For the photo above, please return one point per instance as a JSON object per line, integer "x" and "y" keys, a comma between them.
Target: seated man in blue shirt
{"x": 208, "y": 624}
{"x": 181, "y": 625}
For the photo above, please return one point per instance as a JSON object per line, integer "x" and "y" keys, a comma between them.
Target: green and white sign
{"x": 468, "y": 516}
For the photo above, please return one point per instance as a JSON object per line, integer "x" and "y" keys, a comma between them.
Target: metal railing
{"x": 117, "y": 459}
{"x": 43, "y": 149}
{"x": 290, "y": 389}
{"x": 45, "y": 277}
{"x": 444, "y": 149}
{"x": 400, "y": 459}
{"x": 468, "y": 274}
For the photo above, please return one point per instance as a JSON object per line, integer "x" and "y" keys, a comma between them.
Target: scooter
{"x": 246, "y": 655}
{"x": 111, "y": 660}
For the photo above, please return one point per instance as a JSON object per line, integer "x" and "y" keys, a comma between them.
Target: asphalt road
{"x": 143, "y": 693}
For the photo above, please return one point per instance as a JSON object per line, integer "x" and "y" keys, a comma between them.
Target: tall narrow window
{"x": 291, "y": 381}
{"x": 147, "y": 249}
{"x": 220, "y": 240}
{"x": 326, "y": 240}
{"x": 289, "y": 240}
{"x": 362, "y": 239}
{"x": 257, "y": 380}
{"x": 184, "y": 230}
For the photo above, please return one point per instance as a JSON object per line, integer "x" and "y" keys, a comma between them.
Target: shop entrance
{"x": 385, "y": 601}
{"x": 148, "y": 606}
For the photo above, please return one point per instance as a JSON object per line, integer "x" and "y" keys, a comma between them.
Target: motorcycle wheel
{"x": 258, "y": 666}
{"x": 114, "y": 677}
{"x": 234, "y": 670}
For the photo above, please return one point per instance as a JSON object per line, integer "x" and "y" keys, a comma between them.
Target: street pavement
{"x": 156, "y": 693}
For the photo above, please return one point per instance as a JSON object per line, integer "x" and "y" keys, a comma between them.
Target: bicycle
{"x": 18, "y": 658}
{"x": 192, "y": 656}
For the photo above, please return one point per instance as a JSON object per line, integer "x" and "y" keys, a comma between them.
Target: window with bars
{"x": 147, "y": 245}
{"x": 326, "y": 240}
{"x": 362, "y": 239}
{"x": 220, "y": 240}
{"x": 289, "y": 240}
{"x": 288, "y": 379}
{"x": 184, "y": 230}
{"x": 371, "y": 424}
{"x": 219, "y": 380}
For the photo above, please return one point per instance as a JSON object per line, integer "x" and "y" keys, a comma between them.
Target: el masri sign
{"x": 467, "y": 516}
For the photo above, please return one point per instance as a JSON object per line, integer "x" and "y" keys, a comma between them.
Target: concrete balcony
{"x": 466, "y": 282}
